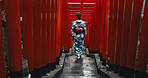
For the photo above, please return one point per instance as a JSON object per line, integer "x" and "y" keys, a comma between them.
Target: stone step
{"x": 80, "y": 76}
{"x": 80, "y": 65}
{"x": 80, "y": 72}
{"x": 82, "y": 68}
{"x": 83, "y": 60}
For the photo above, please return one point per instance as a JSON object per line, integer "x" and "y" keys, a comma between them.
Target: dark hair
{"x": 78, "y": 15}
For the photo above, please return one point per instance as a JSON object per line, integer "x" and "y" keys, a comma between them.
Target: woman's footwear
{"x": 78, "y": 57}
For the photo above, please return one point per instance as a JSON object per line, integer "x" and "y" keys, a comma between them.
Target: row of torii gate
{"x": 41, "y": 39}
{"x": 114, "y": 30}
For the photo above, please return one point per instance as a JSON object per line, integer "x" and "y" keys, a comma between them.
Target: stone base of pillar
{"x": 16, "y": 74}
{"x": 116, "y": 69}
{"x": 139, "y": 74}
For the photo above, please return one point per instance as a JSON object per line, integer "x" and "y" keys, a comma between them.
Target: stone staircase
{"x": 82, "y": 68}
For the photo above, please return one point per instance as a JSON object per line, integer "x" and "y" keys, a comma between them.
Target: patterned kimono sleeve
{"x": 85, "y": 30}
{"x": 72, "y": 29}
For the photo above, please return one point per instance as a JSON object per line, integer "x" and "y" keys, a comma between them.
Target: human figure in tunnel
{"x": 78, "y": 33}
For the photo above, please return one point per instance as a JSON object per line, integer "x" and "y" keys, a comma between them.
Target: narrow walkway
{"x": 83, "y": 68}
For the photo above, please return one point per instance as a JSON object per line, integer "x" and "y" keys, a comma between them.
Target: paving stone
{"x": 82, "y": 68}
{"x": 80, "y": 77}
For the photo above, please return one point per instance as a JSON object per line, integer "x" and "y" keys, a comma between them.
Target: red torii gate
{"x": 128, "y": 48}
{"x": 88, "y": 10}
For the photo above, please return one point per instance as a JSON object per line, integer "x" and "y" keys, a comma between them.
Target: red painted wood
{"x": 2, "y": 59}
{"x": 98, "y": 21}
{"x": 37, "y": 33}
{"x": 114, "y": 31}
{"x": 102, "y": 12}
{"x": 143, "y": 47}
{"x": 2, "y": 4}
{"x": 106, "y": 29}
{"x": 58, "y": 29}
{"x": 93, "y": 34}
{"x": 53, "y": 32}
{"x": 28, "y": 48}
{"x": 134, "y": 33}
{"x": 66, "y": 28}
{"x": 49, "y": 31}
{"x": 55, "y": 19}
{"x": 112, "y": 27}
{"x": 21, "y": 10}
{"x": 119, "y": 31}
{"x": 44, "y": 32}
{"x": 73, "y": 4}
{"x": 14, "y": 35}
{"x": 125, "y": 32}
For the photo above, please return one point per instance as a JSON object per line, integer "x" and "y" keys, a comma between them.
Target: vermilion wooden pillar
{"x": 118, "y": 35}
{"x": 2, "y": 4}
{"x": 110, "y": 28}
{"x": 14, "y": 38}
{"x": 105, "y": 31}
{"x": 44, "y": 36}
{"x": 37, "y": 38}
{"x": 125, "y": 35}
{"x": 49, "y": 35}
{"x": 21, "y": 10}
{"x": 28, "y": 48}
{"x": 62, "y": 37}
{"x": 112, "y": 39}
{"x": 58, "y": 29}
{"x": 55, "y": 19}
{"x": 95, "y": 26}
{"x": 112, "y": 32}
{"x": 102, "y": 27}
{"x": 93, "y": 35}
{"x": 133, "y": 38}
{"x": 2, "y": 58}
{"x": 102, "y": 13}
{"x": 53, "y": 34}
{"x": 98, "y": 20}
{"x": 115, "y": 21}
{"x": 66, "y": 27}
{"x": 92, "y": 45}
{"x": 142, "y": 59}
{"x": 92, "y": 40}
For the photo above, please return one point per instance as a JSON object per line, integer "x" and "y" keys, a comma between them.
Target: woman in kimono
{"x": 78, "y": 33}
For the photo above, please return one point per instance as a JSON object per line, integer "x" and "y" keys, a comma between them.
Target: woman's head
{"x": 78, "y": 15}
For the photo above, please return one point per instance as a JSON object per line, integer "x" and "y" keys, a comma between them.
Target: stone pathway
{"x": 82, "y": 68}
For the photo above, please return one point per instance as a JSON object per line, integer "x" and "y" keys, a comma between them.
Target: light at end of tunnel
{"x": 21, "y": 19}
{"x": 73, "y": 3}
{"x": 89, "y": 3}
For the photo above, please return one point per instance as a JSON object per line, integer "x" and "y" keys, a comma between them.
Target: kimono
{"x": 78, "y": 33}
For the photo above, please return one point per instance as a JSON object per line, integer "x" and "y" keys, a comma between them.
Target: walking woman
{"x": 78, "y": 33}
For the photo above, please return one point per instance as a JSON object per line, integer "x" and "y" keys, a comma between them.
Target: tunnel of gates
{"x": 115, "y": 31}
